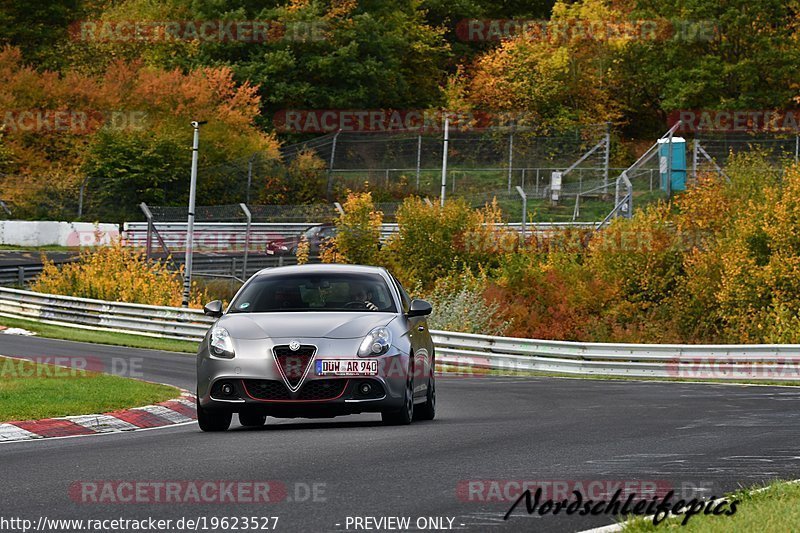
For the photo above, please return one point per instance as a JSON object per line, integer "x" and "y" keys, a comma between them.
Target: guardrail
{"x": 468, "y": 352}
{"x": 227, "y": 236}
{"x": 19, "y": 274}
{"x": 217, "y": 265}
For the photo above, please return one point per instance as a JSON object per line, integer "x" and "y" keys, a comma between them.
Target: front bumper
{"x": 256, "y": 384}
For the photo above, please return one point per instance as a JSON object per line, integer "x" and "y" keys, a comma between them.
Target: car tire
{"x": 427, "y": 411}
{"x": 405, "y": 414}
{"x": 252, "y": 420}
{"x": 213, "y": 421}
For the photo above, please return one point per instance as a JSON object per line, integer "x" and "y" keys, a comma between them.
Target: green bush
{"x": 358, "y": 233}
{"x": 459, "y": 305}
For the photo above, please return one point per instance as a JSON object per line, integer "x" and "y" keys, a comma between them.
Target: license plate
{"x": 347, "y": 367}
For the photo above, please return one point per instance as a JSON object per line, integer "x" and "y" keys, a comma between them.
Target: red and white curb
{"x": 176, "y": 411}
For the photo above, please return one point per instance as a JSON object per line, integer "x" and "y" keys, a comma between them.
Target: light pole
{"x": 444, "y": 155}
{"x": 187, "y": 273}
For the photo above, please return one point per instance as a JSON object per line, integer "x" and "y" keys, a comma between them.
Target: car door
{"x": 421, "y": 345}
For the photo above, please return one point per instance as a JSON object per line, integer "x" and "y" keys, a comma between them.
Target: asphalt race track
{"x": 708, "y": 438}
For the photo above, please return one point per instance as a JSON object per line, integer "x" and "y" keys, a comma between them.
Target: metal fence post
{"x": 21, "y": 275}
{"x": 246, "y": 239}
{"x": 330, "y": 165}
{"x": 669, "y": 166}
{"x": 149, "y": 240}
{"x": 510, "y": 157}
{"x": 524, "y": 209}
{"x": 419, "y": 157}
{"x": 249, "y": 179}
{"x": 80, "y": 196}
{"x": 444, "y": 156}
{"x": 187, "y": 273}
{"x": 607, "y": 158}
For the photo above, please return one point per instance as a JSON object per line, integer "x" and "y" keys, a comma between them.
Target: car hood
{"x": 339, "y": 325}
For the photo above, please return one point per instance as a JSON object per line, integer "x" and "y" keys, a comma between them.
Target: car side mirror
{"x": 213, "y": 309}
{"x": 419, "y": 308}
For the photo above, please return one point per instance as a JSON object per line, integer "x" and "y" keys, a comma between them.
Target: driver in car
{"x": 360, "y": 293}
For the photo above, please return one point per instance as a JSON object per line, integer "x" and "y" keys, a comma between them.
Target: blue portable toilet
{"x": 678, "y": 182}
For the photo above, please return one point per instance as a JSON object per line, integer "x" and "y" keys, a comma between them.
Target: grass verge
{"x": 773, "y": 508}
{"x": 100, "y": 337}
{"x": 30, "y": 391}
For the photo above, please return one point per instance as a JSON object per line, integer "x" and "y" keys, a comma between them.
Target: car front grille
{"x": 294, "y": 363}
{"x": 315, "y": 390}
{"x": 266, "y": 389}
{"x": 322, "y": 389}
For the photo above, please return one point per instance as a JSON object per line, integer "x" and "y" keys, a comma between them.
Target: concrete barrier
{"x": 52, "y": 233}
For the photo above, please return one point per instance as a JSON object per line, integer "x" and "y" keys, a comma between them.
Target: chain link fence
{"x": 482, "y": 165}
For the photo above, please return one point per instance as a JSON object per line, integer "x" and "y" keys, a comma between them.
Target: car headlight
{"x": 377, "y": 342}
{"x": 220, "y": 343}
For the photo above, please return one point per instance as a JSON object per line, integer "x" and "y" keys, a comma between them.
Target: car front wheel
{"x": 213, "y": 421}
{"x": 405, "y": 415}
{"x": 427, "y": 411}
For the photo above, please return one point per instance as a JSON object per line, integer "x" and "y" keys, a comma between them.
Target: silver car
{"x": 316, "y": 341}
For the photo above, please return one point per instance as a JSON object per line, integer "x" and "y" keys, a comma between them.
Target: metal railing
{"x": 751, "y": 362}
{"x": 19, "y": 275}
{"x": 230, "y": 236}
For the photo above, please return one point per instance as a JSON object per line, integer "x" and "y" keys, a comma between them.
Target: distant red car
{"x": 315, "y": 235}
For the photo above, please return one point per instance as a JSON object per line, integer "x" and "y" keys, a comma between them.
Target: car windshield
{"x": 310, "y": 233}
{"x": 358, "y": 292}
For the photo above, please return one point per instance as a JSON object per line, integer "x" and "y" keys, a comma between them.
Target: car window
{"x": 405, "y": 299}
{"x": 357, "y": 292}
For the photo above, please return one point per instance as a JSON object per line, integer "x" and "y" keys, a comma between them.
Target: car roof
{"x": 322, "y": 268}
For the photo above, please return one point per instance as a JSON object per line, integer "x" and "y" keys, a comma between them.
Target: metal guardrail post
{"x": 21, "y": 275}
